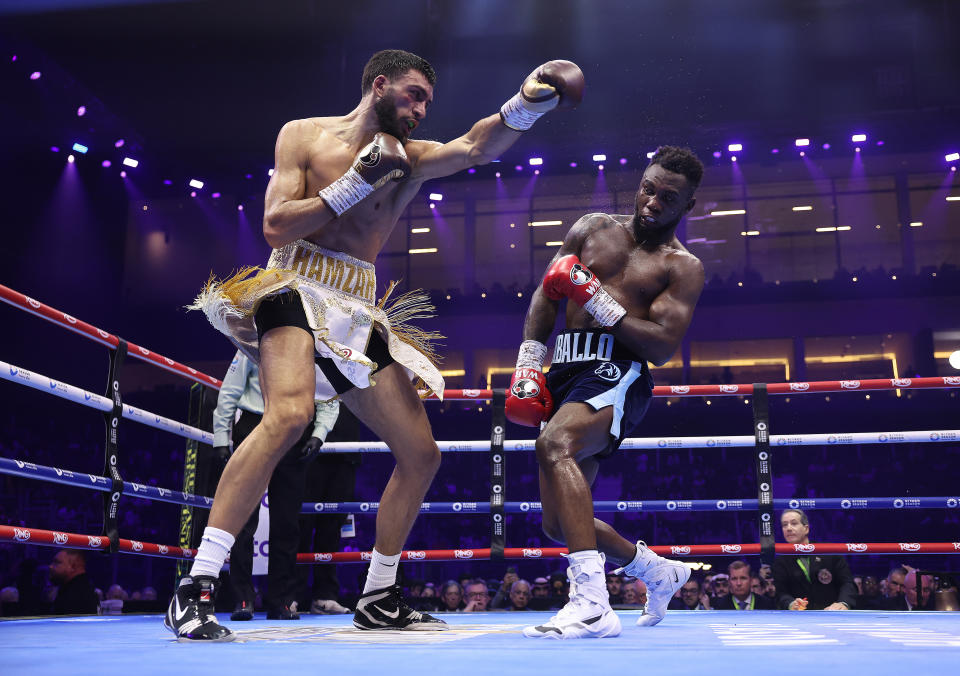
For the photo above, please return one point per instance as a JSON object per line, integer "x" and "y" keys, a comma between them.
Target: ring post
{"x": 111, "y": 500}
{"x": 497, "y": 476}
{"x": 763, "y": 461}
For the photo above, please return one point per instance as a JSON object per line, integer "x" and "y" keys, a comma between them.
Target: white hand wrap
{"x": 532, "y": 354}
{"x": 345, "y": 191}
{"x": 517, "y": 115}
{"x": 604, "y": 308}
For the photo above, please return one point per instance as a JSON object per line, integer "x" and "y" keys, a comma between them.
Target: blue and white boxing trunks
{"x": 589, "y": 366}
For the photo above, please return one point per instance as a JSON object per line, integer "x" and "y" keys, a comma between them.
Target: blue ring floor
{"x": 777, "y": 642}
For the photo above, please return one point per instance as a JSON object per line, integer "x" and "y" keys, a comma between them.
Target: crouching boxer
{"x": 631, "y": 288}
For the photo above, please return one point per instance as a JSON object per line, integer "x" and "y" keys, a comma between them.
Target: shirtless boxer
{"x": 312, "y": 323}
{"x": 632, "y": 287}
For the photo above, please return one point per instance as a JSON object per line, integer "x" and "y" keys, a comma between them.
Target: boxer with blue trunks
{"x": 631, "y": 288}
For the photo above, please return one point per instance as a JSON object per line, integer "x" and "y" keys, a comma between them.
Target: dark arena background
{"x": 137, "y": 142}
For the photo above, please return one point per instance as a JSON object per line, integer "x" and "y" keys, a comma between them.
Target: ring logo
{"x": 169, "y": 361}
{"x": 805, "y": 548}
{"x": 721, "y": 504}
{"x": 799, "y": 387}
{"x": 365, "y": 556}
{"x": 934, "y": 436}
{"x": 849, "y": 384}
{"x": 729, "y": 389}
{"x": 524, "y": 506}
{"x": 318, "y": 506}
{"x": 951, "y": 380}
{"x": 680, "y": 549}
{"x": 70, "y": 319}
{"x": 951, "y": 502}
{"x": 163, "y": 549}
{"x": 187, "y": 553}
{"x": 420, "y": 554}
{"x": 33, "y": 303}
{"x": 60, "y": 538}
{"x": 680, "y": 389}
{"x": 832, "y": 439}
{"x": 532, "y": 553}
{"x": 621, "y": 506}
{"x": 364, "y": 506}
{"x": 93, "y": 478}
{"x": 162, "y": 491}
{"x": 661, "y": 443}
{"x": 730, "y": 549}
{"x": 901, "y": 382}
{"x": 898, "y": 503}
{"x": 463, "y": 553}
{"x": 711, "y": 443}
{"x": 93, "y": 542}
{"x": 883, "y": 437}
{"x": 138, "y": 487}
{"x": 143, "y": 350}
{"x": 473, "y": 394}
{"x": 457, "y": 506}
{"x": 856, "y": 547}
{"x": 910, "y": 546}
{"x": 671, "y": 504}
{"x": 845, "y": 504}
{"x": 21, "y": 534}
{"x": 103, "y": 334}
{"x": 137, "y": 546}
{"x": 323, "y": 557}
{"x": 794, "y": 503}
{"x": 192, "y": 370}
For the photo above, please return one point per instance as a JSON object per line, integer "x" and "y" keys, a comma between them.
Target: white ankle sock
{"x": 214, "y": 548}
{"x": 382, "y": 573}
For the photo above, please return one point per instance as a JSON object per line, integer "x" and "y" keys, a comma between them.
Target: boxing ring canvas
{"x": 777, "y": 642}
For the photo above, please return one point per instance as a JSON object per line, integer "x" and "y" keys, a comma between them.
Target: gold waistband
{"x": 332, "y": 269}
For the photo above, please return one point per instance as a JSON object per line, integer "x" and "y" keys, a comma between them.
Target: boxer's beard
{"x": 386, "y": 111}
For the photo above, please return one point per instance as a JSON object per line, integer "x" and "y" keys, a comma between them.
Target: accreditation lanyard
{"x": 804, "y": 562}
{"x": 753, "y": 601}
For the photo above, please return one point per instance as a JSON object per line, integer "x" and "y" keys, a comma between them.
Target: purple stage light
{"x": 123, "y": 174}
{"x": 651, "y": 154}
{"x": 215, "y": 195}
{"x": 167, "y": 181}
{"x": 857, "y": 149}
{"x": 735, "y": 147}
{"x": 733, "y": 158}
{"x": 536, "y": 172}
{"x": 879, "y": 143}
{"x": 826, "y": 146}
{"x": 35, "y": 75}
{"x": 432, "y": 205}
{"x": 118, "y": 143}
{"x": 536, "y": 161}
{"x": 472, "y": 170}
{"x": 498, "y": 174}
{"x": 54, "y": 149}
{"x": 801, "y": 142}
{"x": 802, "y": 154}
{"x": 858, "y": 138}
{"x": 600, "y": 167}
{"x": 106, "y": 164}
{"x": 623, "y": 160}
{"x": 774, "y": 151}
{"x": 952, "y": 157}
{"x": 71, "y": 159}
{"x": 519, "y": 167}
{"x": 13, "y": 58}
{"x": 573, "y": 165}
{"x": 953, "y": 168}
{"x": 193, "y": 193}
{"x": 717, "y": 154}
{"x": 81, "y": 111}
{"x": 239, "y": 207}
{"x": 80, "y": 148}
{"x": 248, "y": 176}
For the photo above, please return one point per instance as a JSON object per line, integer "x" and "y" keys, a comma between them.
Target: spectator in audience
{"x": 821, "y": 582}
{"x": 560, "y": 587}
{"x": 908, "y": 601}
{"x": 895, "y": 578}
{"x": 75, "y": 595}
{"x": 615, "y": 588}
{"x": 502, "y": 598}
{"x": 451, "y": 596}
{"x": 741, "y": 596}
{"x": 541, "y": 588}
{"x": 519, "y": 595}
{"x": 756, "y": 585}
{"x": 721, "y": 588}
{"x": 148, "y": 594}
{"x": 692, "y": 596}
{"x": 478, "y": 596}
{"x": 415, "y": 589}
{"x": 634, "y": 594}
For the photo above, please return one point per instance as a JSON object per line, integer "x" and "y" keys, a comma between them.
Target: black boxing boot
{"x": 190, "y": 615}
{"x": 385, "y": 609}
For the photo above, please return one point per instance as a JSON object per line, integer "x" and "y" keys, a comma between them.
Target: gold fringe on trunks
{"x": 407, "y": 307}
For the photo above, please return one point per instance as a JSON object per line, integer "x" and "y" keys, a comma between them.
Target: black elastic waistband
{"x": 582, "y": 345}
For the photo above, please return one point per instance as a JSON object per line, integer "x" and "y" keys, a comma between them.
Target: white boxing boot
{"x": 587, "y": 614}
{"x": 663, "y": 578}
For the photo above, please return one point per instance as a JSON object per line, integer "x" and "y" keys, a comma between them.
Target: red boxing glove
{"x": 569, "y": 278}
{"x": 529, "y": 402}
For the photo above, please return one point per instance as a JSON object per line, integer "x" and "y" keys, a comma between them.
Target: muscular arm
{"x": 659, "y": 336}
{"x": 485, "y": 141}
{"x": 288, "y": 214}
